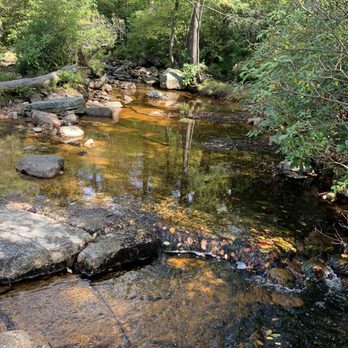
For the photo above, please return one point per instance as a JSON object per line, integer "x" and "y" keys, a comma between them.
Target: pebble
{"x": 37, "y": 129}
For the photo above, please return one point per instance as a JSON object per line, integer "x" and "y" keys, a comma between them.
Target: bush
{"x": 9, "y": 75}
{"x": 216, "y": 89}
{"x": 61, "y": 32}
{"x": 299, "y": 82}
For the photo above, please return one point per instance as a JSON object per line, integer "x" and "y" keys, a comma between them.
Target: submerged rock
{"x": 157, "y": 95}
{"x": 128, "y": 85}
{"x": 281, "y": 276}
{"x": 41, "y": 166}
{"x": 33, "y": 245}
{"x": 172, "y": 79}
{"x": 127, "y": 99}
{"x": 22, "y": 339}
{"x": 116, "y": 250}
{"x": 89, "y": 144}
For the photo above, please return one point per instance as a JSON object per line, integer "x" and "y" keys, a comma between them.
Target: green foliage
{"x": 190, "y": 72}
{"x": 150, "y": 29}
{"x": 59, "y": 32}
{"x": 298, "y": 80}
{"x": 216, "y": 89}
{"x": 340, "y": 185}
{"x": 9, "y": 75}
{"x": 72, "y": 78}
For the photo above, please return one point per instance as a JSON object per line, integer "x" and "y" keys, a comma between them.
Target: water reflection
{"x": 158, "y": 159}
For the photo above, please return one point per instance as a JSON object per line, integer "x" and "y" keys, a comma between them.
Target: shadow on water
{"x": 198, "y": 172}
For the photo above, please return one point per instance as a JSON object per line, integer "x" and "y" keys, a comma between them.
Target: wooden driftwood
{"x": 39, "y": 81}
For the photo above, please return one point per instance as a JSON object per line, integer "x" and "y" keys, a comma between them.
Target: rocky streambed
{"x": 169, "y": 229}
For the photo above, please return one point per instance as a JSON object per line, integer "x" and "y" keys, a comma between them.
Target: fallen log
{"x": 35, "y": 82}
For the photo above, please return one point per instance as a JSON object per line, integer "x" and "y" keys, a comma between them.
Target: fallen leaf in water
{"x": 172, "y": 230}
{"x": 259, "y": 343}
{"x": 189, "y": 241}
{"x": 204, "y": 244}
{"x": 166, "y": 243}
{"x": 268, "y": 332}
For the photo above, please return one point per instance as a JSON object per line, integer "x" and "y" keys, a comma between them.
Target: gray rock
{"x": 150, "y": 80}
{"x": 172, "y": 79}
{"x": 71, "y": 133}
{"x": 117, "y": 250}
{"x": 109, "y": 110}
{"x": 97, "y": 220}
{"x": 40, "y": 118}
{"x": 41, "y": 166}
{"x": 98, "y": 83}
{"x": 157, "y": 95}
{"x": 33, "y": 245}
{"x": 128, "y": 85}
{"x": 71, "y": 119}
{"x": 22, "y": 339}
{"x": 56, "y": 106}
{"x": 294, "y": 172}
{"x": 107, "y": 88}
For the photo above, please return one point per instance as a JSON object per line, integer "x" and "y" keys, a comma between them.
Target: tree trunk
{"x": 173, "y": 34}
{"x": 35, "y": 82}
{"x": 193, "y": 39}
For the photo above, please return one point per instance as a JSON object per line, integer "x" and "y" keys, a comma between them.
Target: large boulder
{"x": 70, "y": 133}
{"x": 172, "y": 79}
{"x": 33, "y": 245}
{"x": 22, "y": 339}
{"x": 41, "y": 166}
{"x": 117, "y": 250}
{"x": 41, "y": 118}
{"x": 58, "y": 106}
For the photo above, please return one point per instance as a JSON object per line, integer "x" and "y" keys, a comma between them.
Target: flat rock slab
{"x": 33, "y": 245}
{"x": 41, "y": 166}
{"x": 57, "y": 106}
{"x": 117, "y": 250}
{"x": 65, "y": 310}
{"x": 21, "y": 339}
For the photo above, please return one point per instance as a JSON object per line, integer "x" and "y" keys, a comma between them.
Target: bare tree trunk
{"x": 173, "y": 34}
{"x": 193, "y": 39}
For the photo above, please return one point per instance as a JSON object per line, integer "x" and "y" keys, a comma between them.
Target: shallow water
{"x": 200, "y": 174}
{"x": 175, "y": 302}
{"x": 170, "y": 161}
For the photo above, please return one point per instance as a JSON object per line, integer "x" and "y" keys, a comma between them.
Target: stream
{"x": 189, "y": 160}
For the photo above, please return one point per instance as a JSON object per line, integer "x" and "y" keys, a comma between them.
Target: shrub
{"x": 216, "y": 89}
{"x": 60, "y": 32}
{"x": 299, "y": 82}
